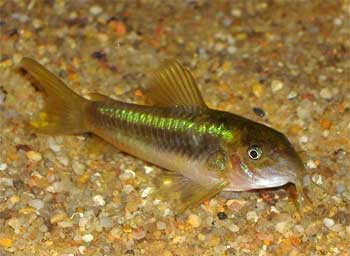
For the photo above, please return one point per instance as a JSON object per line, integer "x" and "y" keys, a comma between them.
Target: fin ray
{"x": 184, "y": 192}
{"x": 174, "y": 85}
{"x": 64, "y": 109}
{"x": 95, "y": 96}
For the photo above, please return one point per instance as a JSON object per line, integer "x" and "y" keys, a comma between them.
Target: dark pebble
{"x": 259, "y": 112}
{"x": 12, "y": 32}
{"x": 99, "y": 55}
{"x": 342, "y": 217}
{"x": 23, "y": 147}
{"x": 6, "y": 214}
{"x": 18, "y": 184}
{"x": 222, "y": 215}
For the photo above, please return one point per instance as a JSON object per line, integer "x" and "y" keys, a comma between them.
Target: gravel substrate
{"x": 282, "y": 63}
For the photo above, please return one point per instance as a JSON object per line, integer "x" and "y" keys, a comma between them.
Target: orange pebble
{"x": 267, "y": 242}
{"x": 206, "y": 202}
{"x": 119, "y": 28}
{"x": 6, "y": 242}
{"x": 325, "y": 123}
{"x": 138, "y": 93}
{"x": 294, "y": 129}
{"x": 83, "y": 179}
{"x": 73, "y": 76}
{"x": 258, "y": 90}
{"x": 295, "y": 240}
{"x": 341, "y": 108}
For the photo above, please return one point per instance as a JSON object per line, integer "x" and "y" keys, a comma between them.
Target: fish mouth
{"x": 271, "y": 182}
{"x": 271, "y": 178}
{"x": 268, "y": 178}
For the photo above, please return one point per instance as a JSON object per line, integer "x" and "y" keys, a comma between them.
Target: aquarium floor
{"x": 282, "y": 63}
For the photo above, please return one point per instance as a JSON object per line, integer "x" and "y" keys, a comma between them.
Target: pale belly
{"x": 195, "y": 170}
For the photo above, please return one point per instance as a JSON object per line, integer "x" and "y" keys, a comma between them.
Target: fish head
{"x": 263, "y": 158}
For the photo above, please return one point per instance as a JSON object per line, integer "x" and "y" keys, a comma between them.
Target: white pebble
{"x": 322, "y": 78}
{"x": 337, "y": 21}
{"x": 83, "y": 221}
{"x": 219, "y": 47}
{"x": 233, "y": 227}
{"x": 179, "y": 239}
{"x": 299, "y": 229}
{"x": 227, "y": 22}
{"x": 138, "y": 234}
{"x": 43, "y": 228}
{"x": 161, "y": 225}
{"x": 303, "y": 139}
{"x": 328, "y": 222}
{"x": 167, "y": 212}
{"x": 88, "y": 238}
{"x": 2, "y": 99}
{"x": 36, "y": 203}
{"x": 145, "y": 193}
{"x": 306, "y": 180}
{"x": 127, "y": 175}
{"x": 148, "y": 169}
{"x": 283, "y": 227}
{"x": 53, "y": 145}
{"x": 325, "y": 133}
{"x": 7, "y": 182}
{"x": 276, "y": 85}
{"x": 156, "y": 202}
{"x": 78, "y": 168}
{"x": 236, "y": 12}
{"x": 231, "y": 49}
{"x": 303, "y": 113}
{"x": 106, "y": 221}
{"x": 65, "y": 223}
{"x": 209, "y": 221}
{"x": 194, "y": 220}
{"x": 127, "y": 189}
{"x": 82, "y": 249}
{"x": 317, "y": 179}
{"x": 292, "y": 95}
{"x": 311, "y": 164}
{"x": 63, "y": 160}
{"x": 252, "y": 216}
{"x": 98, "y": 199}
{"x": 95, "y": 10}
{"x": 326, "y": 94}
{"x": 115, "y": 232}
{"x": 275, "y": 210}
{"x": 34, "y": 156}
{"x": 3, "y": 166}
{"x": 201, "y": 237}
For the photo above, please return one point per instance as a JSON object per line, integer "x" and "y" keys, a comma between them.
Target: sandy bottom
{"x": 282, "y": 63}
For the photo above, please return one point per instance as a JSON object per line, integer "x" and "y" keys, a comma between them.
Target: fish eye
{"x": 254, "y": 152}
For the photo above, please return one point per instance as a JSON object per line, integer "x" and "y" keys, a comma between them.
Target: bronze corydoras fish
{"x": 206, "y": 150}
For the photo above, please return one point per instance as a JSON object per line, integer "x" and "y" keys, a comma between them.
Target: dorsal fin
{"x": 95, "y": 96}
{"x": 174, "y": 85}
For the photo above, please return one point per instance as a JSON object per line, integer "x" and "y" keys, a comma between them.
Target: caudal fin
{"x": 64, "y": 112}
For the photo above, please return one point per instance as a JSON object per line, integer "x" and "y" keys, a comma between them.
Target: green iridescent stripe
{"x": 166, "y": 123}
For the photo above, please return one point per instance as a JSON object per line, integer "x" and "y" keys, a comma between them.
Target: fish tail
{"x": 65, "y": 111}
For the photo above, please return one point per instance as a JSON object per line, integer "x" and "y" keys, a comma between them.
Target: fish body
{"x": 205, "y": 150}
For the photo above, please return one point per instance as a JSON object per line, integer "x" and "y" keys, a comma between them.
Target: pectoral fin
{"x": 184, "y": 192}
